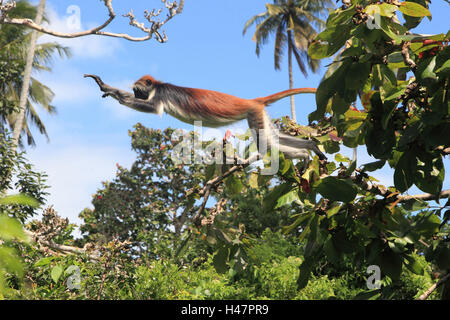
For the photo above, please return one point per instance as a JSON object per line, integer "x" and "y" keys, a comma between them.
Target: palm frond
{"x": 34, "y": 119}
{"x": 255, "y": 19}
{"x": 264, "y": 30}
{"x": 280, "y": 44}
{"x": 297, "y": 56}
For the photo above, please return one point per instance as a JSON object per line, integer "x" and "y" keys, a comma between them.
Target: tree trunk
{"x": 291, "y": 78}
{"x": 18, "y": 125}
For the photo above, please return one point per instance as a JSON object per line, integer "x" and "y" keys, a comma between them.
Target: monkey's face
{"x": 143, "y": 87}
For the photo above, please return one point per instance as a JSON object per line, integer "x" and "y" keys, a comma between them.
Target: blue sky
{"x": 206, "y": 49}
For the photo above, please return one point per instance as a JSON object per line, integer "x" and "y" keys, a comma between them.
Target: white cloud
{"x": 84, "y": 47}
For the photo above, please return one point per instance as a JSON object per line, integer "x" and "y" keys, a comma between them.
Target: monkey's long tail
{"x": 283, "y": 94}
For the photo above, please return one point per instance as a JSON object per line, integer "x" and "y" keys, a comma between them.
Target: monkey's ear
{"x": 148, "y": 82}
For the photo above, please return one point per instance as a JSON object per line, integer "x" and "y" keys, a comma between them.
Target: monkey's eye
{"x": 148, "y": 82}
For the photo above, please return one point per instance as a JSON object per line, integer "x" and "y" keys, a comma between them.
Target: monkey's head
{"x": 143, "y": 87}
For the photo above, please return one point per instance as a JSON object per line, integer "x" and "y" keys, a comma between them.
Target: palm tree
{"x": 294, "y": 23}
{"x": 14, "y": 44}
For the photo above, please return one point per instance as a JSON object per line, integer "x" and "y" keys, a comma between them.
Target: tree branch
{"x": 405, "y": 53}
{"x": 60, "y": 247}
{"x": 426, "y": 196}
{"x": 427, "y": 293}
{"x": 206, "y": 191}
{"x": 153, "y": 30}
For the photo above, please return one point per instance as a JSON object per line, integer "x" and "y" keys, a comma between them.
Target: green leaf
{"x": 414, "y": 205}
{"x": 271, "y": 199}
{"x": 425, "y": 73}
{"x": 300, "y": 219}
{"x": 351, "y": 168}
{"x": 319, "y": 50}
{"x": 19, "y": 199}
{"x": 330, "y": 251}
{"x": 312, "y": 244}
{"x": 372, "y": 166}
{"x": 413, "y": 9}
{"x": 335, "y": 82}
{"x": 405, "y": 171}
{"x": 11, "y": 229}
{"x": 442, "y": 257}
{"x": 368, "y": 295}
{"x": 414, "y": 265}
{"x": 253, "y": 180}
{"x": 388, "y": 10}
{"x": 234, "y": 184}
{"x": 44, "y": 261}
{"x": 334, "y": 208}
{"x": 342, "y": 243}
{"x": 183, "y": 245}
{"x": 428, "y": 225}
{"x": 288, "y": 198}
{"x": 9, "y": 261}
{"x": 410, "y": 134}
{"x": 430, "y": 173}
{"x": 56, "y": 273}
{"x": 210, "y": 171}
{"x": 444, "y": 70}
{"x": 391, "y": 264}
{"x": 335, "y": 38}
{"x": 357, "y": 75}
{"x": 305, "y": 273}
{"x": 339, "y": 105}
{"x": 340, "y": 158}
{"x": 336, "y": 189}
{"x": 220, "y": 260}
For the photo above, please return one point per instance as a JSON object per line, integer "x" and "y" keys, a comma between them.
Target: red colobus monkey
{"x": 213, "y": 108}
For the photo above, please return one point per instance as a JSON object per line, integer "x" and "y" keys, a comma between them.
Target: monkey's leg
{"x": 123, "y": 97}
{"x": 297, "y": 143}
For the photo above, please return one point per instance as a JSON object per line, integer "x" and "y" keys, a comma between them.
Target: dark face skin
{"x": 142, "y": 89}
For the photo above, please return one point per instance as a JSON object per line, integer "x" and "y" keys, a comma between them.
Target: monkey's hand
{"x": 123, "y": 97}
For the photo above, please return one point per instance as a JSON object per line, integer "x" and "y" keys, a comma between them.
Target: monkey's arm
{"x": 123, "y": 97}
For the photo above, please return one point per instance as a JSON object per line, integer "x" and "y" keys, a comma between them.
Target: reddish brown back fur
{"x": 214, "y": 104}
{"x": 219, "y": 104}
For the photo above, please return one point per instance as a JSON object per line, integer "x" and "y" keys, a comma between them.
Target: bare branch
{"x": 60, "y": 247}
{"x": 405, "y": 53}
{"x": 153, "y": 30}
{"x": 427, "y": 293}
{"x": 44, "y": 231}
{"x": 426, "y": 196}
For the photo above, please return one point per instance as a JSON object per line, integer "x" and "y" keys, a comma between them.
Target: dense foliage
{"x": 165, "y": 230}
